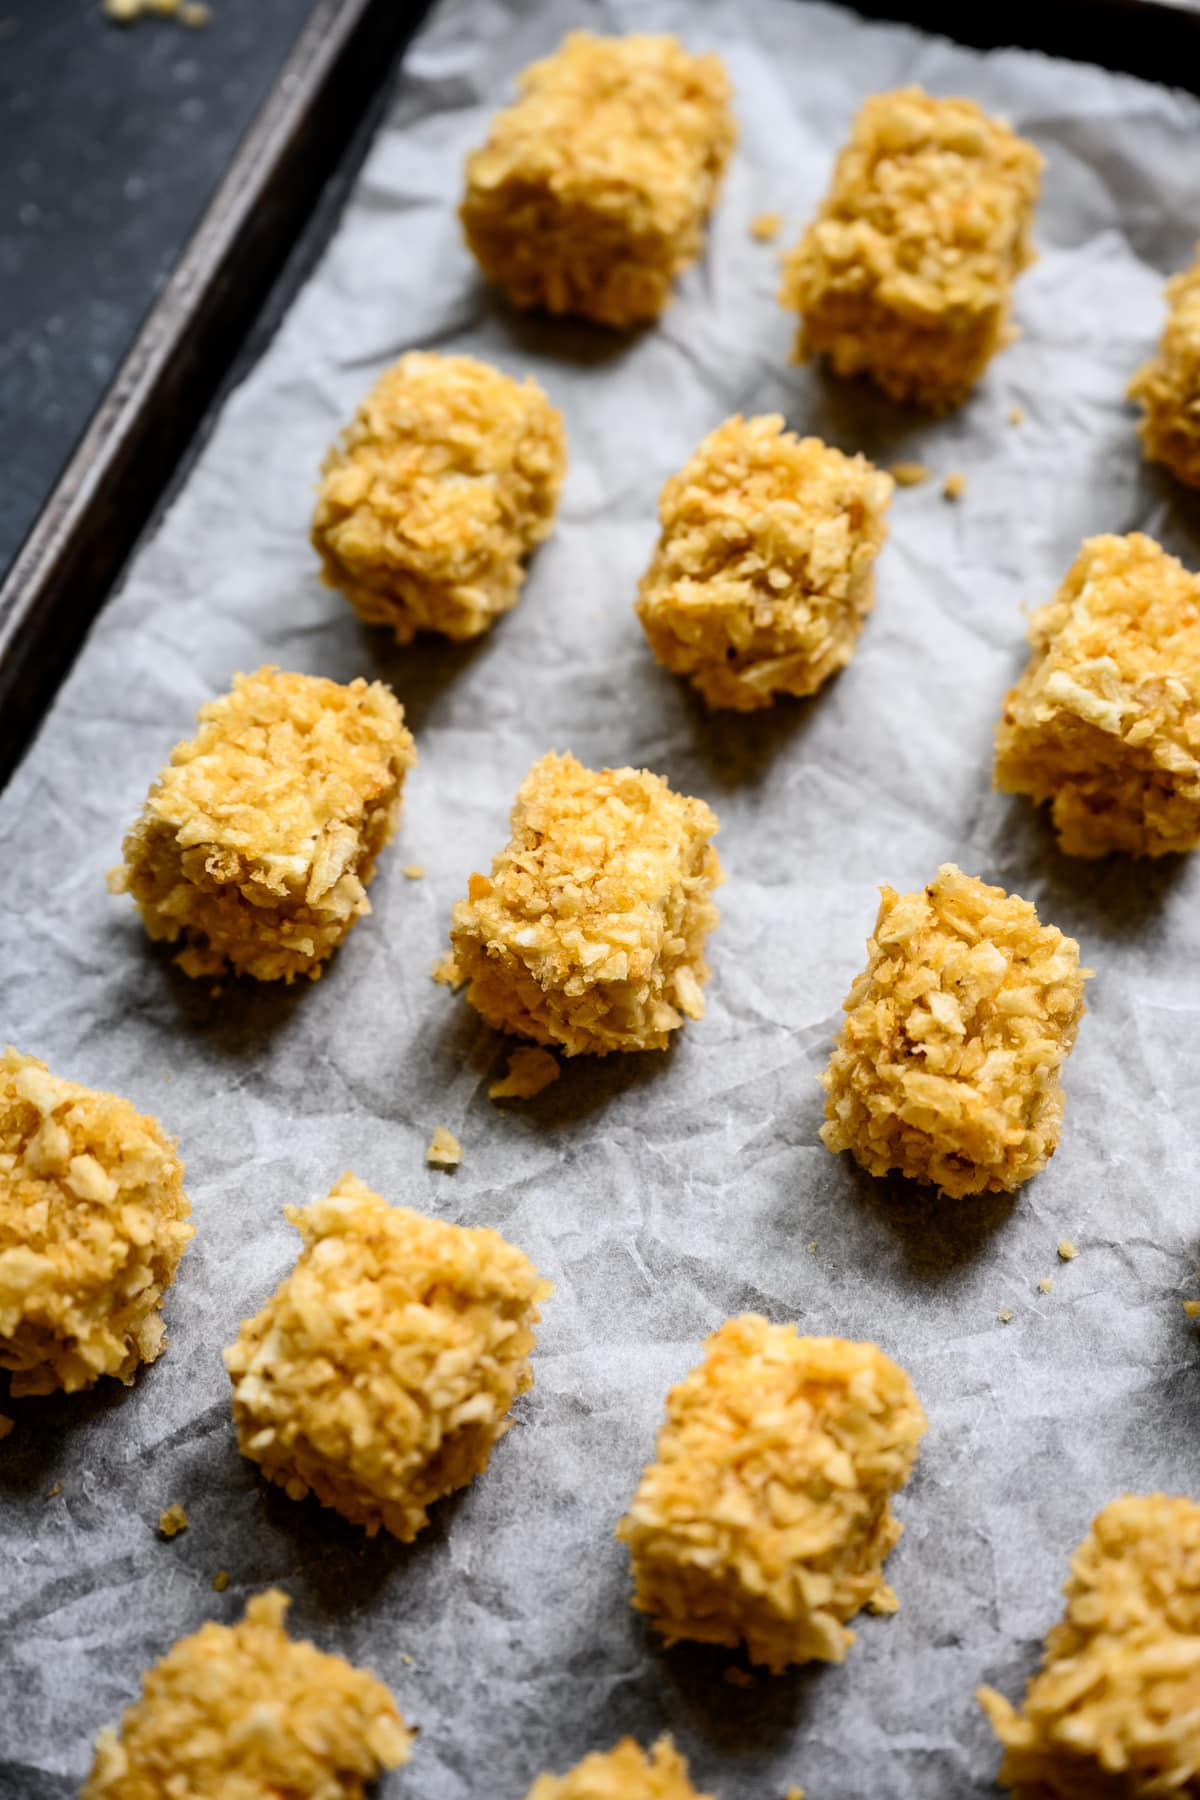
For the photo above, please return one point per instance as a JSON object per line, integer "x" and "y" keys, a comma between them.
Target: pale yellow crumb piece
{"x": 447, "y": 972}
{"x": 766, "y": 226}
{"x": 530, "y": 1070}
{"x": 738, "y": 1677}
{"x": 407, "y": 1660}
{"x": 794, "y": 1793}
{"x": 1046, "y": 1284}
{"x": 954, "y": 485}
{"x": 381, "y": 1373}
{"x": 909, "y": 474}
{"x": 1067, "y": 1251}
{"x": 7, "y": 1426}
{"x": 591, "y": 193}
{"x": 53, "y": 1492}
{"x": 195, "y": 14}
{"x": 589, "y": 932}
{"x": 625, "y": 1772}
{"x": 444, "y": 1149}
{"x": 947, "y": 1066}
{"x": 245, "y": 1711}
{"x": 765, "y": 1520}
{"x": 764, "y": 570}
{"x": 172, "y": 1520}
{"x": 258, "y": 842}
{"x": 813, "y": 1245}
{"x": 414, "y": 871}
{"x": 430, "y": 502}
{"x": 1168, "y": 386}
{"x": 1112, "y": 1709}
{"x": 1105, "y": 722}
{"x": 123, "y": 11}
{"x": 1016, "y": 415}
{"x": 1192, "y": 1308}
{"x": 1005, "y": 1316}
{"x": 93, "y": 1222}
{"x": 220, "y": 1581}
{"x": 906, "y": 275}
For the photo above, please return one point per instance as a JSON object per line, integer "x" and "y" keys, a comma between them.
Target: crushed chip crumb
{"x": 909, "y": 474}
{"x": 954, "y": 485}
{"x": 407, "y": 1660}
{"x": 414, "y": 871}
{"x": 172, "y": 1520}
{"x": 1005, "y": 1316}
{"x": 530, "y": 1070}
{"x": 189, "y": 12}
{"x": 444, "y": 1149}
{"x": 766, "y": 226}
{"x": 220, "y": 1581}
{"x": 1067, "y": 1251}
{"x": 1017, "y": 415}
{"x": 53, "y": 1492}
{"x": 1046, "y": 1284}
{"x": 1192, "y": 1308}
{"x": 622, "y": 1773}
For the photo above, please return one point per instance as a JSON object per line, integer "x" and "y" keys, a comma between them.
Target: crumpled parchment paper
{"x": 660, "y": 1193}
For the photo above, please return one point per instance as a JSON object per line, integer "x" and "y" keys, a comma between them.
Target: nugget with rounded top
{"x": 93, "y": 1222}
{"x": 1105, "y": 722}
{"x": 589, "y": 933}
{"x": 1115, "y": 1708}
{"x": 906, "y": 274}
{"x": 947, "y": 1066}
{"x": 245, "y": 1712}
{"x": 764, "y": 570}
{"x": 765, "y": 1519}
{"x": 380, "y": 1374}
{"x": 591, "y": 194}
{"x": 257, "y": 843}
{"x": 626, "y": 1772}
{"x": 1168, "y": 386}
{"x": 438, "y": 490}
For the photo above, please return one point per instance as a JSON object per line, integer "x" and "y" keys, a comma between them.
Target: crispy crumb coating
{"x": 1168, "y": 386}
{"x": 1114, "y": 1711}
{"x": 1105, "y": 722}
{"x": 380, "y": 1373}
{"x": 444, "y": 481}
{"x": 258, "y": 841}
{"x": 906, "y": 274}
{"x": 244, "y": 1712}
{"x": 947, "y": 1065}
{"x": 625, "y": 1772}
{"x": 765, "y": 1519}
{"x": 93, "y": 1222}
{"x": 589, "y": 933}
{"x": 591, "y": 193}
{"x": 764, "y": 570}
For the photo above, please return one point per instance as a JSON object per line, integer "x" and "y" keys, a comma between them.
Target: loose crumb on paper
{"x": 794, "y": 1793}
{"x": 189, "y": 12}
{"x": 1017, "y": 416}
{"x": 220, "y": 1581}
{"x": 1067, "y": 1251}
{"x": 909, "y": 474}
{"x": 1005, "y": 1315}
{"x": 1192, "y": 1308}
{"x": 444, "y": 1149}
{"x": 55, "y": 1491}
{"x": 530, "y": 1069}
{"x": 766, "y": 226}
{"x": 414, "y": 871}
{"x": 1045, "y": 1284}
{"x": 954, "y": 485}
{"x": 172, "y": 1520}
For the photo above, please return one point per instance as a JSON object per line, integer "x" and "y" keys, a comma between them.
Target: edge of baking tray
{"x": 281, "y": 191}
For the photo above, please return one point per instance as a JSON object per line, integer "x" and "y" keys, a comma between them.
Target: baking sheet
{"x": 660, "y": 1193}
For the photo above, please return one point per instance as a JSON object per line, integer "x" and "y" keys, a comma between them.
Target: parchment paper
{"x": 660, "y": 1193}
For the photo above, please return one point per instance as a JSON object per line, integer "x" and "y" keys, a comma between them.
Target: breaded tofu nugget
{"x": 1168, "y": 386}
{"x": 591, "y": 193}
{"x": 443, "y": 483}
{"x": 947, "y": 1066}
{"x": 589, "y": 932}
{"x": 245, "y": 1712}
{"x": 765, "y": 1519}
{"x": 93, "y": 1222}
{"x": 1105, "y": 722}
{"x": 906, "y": 274}
{"x": 625, "y": 1772}
{"x": 258, "y": 841}
{"x": 380, "y": 1374}
{"x": 764, "y": 571}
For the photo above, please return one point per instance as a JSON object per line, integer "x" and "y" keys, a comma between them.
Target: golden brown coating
{"x": 589, "y": 933}
{"x": 906, "y": 274}
{"x": 1105, "y": 722}
{"x": 439, "y": 488}
{"x": 591, "y": 193}
{"x": 244, "y": 1712}
{"x": 947, "y": 1065}
{"x": 257, "y": 843}
{"x": 1114, "y": 1712}
{"x": 381, "y": 1372}
{"x": 765, "y": 1519}
{"x": 764, "y": 571}
{"x": 1168, "y": 386}
{"x": 93, "y": 1222}
{"x": 625, "y": 1772}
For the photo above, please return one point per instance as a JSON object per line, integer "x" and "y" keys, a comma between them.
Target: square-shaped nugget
{"x": 765, "y": 1519}
{"x": 625, "y": 1772}
{"x": 1168, "y": 386}
{"x": 589, "y": 933}
{"x": 444, "y": 481}
{"x": 257, "y": 842}
{"x": 947, "y": 1066}
{"x": 591, "y": 193}
{"x": 1115, "y": 1708}
{"x": 1105, "y": 722}
{"x": 906, "y": 274}
{"x": 764, "y": 572}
